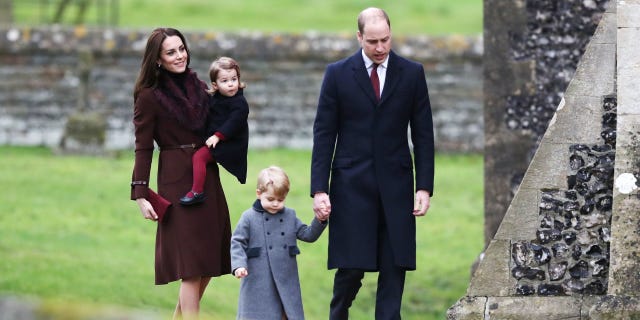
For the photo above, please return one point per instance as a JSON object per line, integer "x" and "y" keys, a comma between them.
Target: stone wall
{"x": 567, "y": 247}
{"x": 40, "y": 81}
{"x": 532, "y": 48}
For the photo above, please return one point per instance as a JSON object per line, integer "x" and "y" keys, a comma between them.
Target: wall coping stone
{"x": 269, "y": 46}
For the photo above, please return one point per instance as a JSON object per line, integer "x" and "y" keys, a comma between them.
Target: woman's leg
{"x": 191, "y": 291}
{"x": 203, "y": 285}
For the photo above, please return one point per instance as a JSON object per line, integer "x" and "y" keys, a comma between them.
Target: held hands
{"x": 212, "y": 141}
{"x": 146, "y": 209}
{"x": 321, "y": 206}
{"x": 240, "y": 273}
{"x": 422, "y": 203}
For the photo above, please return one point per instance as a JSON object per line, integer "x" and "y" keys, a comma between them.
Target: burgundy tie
{"x": 375, "y": 81}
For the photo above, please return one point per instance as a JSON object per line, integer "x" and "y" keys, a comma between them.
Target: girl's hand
{"x": 212, "y": 141}
{"x": 241, "y": 273}
{"x": 146, "y": 209}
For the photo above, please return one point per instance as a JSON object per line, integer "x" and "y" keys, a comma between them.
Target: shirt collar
{"x": 368, "y": 62}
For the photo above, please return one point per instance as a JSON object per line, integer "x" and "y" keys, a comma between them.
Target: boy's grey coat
{"x": 265, "y": 244}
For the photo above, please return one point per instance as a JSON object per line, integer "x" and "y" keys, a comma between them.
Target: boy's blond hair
{"x": 276, "y": 178}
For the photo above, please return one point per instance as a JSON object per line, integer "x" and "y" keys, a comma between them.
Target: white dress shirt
{"x": 382, "y": 69}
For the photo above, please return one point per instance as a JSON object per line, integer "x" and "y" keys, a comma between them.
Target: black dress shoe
{"x": 197, "y": 198}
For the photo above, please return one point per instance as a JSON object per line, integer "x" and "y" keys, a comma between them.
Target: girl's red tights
{"x": 200, "y": 160}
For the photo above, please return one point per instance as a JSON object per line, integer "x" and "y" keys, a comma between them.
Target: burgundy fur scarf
{"x": 185, "y": 97}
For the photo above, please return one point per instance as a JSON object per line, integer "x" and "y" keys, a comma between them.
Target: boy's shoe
{"x": 192, "y": 198}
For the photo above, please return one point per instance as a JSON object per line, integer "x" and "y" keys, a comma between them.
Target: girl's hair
{"x": 224, "y": 63}
{"x": 149, "y": 69}
{"x": 276, "y": 178}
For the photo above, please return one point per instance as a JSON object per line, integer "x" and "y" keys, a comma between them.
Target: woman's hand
{"x": 146, "y": 209}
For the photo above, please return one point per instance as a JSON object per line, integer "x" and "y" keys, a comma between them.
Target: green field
{"x": 408, "y": 17}
{"x": 71, "y": 236}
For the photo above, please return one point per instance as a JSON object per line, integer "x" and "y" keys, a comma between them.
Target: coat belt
{"x": 182, "y": 146}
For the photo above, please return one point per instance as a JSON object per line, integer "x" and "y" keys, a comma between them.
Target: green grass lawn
{"x": 408, "y": 17}
{"x": 69, "y": 233}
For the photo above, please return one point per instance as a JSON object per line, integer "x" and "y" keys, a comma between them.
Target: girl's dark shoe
{"x": 192, "y": 198}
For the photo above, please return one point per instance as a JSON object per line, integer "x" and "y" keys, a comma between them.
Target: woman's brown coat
{"x": 192, "y": 241}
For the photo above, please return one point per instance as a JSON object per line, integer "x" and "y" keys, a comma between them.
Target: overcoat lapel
{"x": 393, "y": 76}
{"x": 361, "y": 76}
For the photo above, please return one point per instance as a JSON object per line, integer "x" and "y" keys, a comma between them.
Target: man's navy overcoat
{"x": 363, "y": 159}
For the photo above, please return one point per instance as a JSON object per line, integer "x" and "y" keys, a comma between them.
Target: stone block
{"x": 533, "y": 308}
{"x": 627, "y": 155}
{"x": 521, "y": 220}
{"x": 493, "y": 277}
{"x": 548, "y": 168}
{"x": 612, "y": 308}
{"x": 627, "y": 48}
{"x": 568, "y": 124}
{"x": 628, "y": 14}
{"x": 628, "y": 93}
{"x": 628, "y": 138}
{"x": 625, "y": 246}
{"x": 588, "y": 302}
{"x": 596, "y": 72}
{"x": 606, "y": 32}
{"x": 468, "y": 308}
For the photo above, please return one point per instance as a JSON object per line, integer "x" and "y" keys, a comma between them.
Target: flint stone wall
{"x": 39, "y": 81}
{"x": 532, "y": 48}
{"x": 568, "y": 245}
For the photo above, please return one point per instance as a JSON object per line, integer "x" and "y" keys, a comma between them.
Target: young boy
{"x": 227, "y": 129}
{"x": 264, "y": 250}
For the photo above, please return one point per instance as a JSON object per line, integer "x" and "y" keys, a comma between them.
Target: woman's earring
{"x": 158, "y": 66}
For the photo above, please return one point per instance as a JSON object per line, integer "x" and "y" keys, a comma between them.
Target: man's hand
{"x": 422, "y": 203}
{"x": 321, "y": 206}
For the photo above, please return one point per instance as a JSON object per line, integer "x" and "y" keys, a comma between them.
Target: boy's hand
{"x": 321, "y": 206}
{"x": 240, "y": 273}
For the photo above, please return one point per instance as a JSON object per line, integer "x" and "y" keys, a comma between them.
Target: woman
{"x": 170, "y": 108}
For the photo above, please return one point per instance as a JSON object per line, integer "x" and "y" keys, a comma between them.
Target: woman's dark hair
{"x": 149, "y": 68}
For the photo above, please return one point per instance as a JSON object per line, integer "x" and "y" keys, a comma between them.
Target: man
{"x": 362, "y": 170}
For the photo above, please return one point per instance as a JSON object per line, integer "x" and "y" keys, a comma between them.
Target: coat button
{"x": 285, "y": 246}
{"x": 282, "y": 233}
{"x": 280, "y": 220}
{"x": 270, "y": 247}
{"x": 268, "y": 233}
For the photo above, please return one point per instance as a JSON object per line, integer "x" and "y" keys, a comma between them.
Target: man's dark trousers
{"x": 391, "y": 278}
